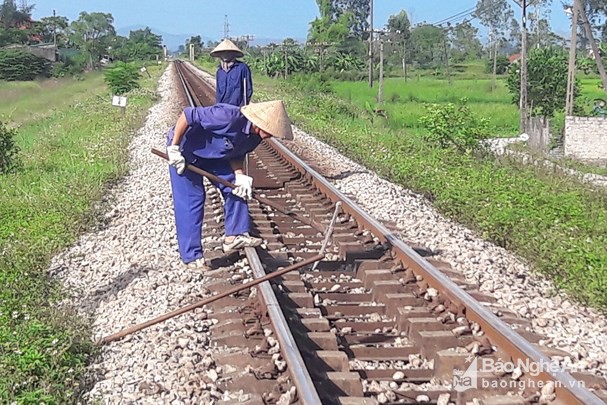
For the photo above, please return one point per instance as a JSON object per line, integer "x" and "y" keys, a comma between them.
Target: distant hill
{"x": 172, "y": 41}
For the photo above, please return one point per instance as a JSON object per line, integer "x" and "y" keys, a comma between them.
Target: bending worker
{"x": 216, "y": 140}
{"x": 233, "y": 78}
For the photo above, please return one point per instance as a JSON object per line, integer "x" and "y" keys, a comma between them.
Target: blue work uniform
{"x": 229, "y": 85}
{"x": 216, "y": 135}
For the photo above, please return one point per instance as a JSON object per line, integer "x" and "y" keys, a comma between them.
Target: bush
{"x": 8, "y": 149}
{"x": 501, "y": 67}
{"x": 394, "y": 98}
{"x": 454, "y": 126}
{"x": 16, "y": 64}
{"x": 71, "y": 66}
{"x": 315, "y": 82}
{"x": 122, "y": 77}
{"x": 547, "y": 82}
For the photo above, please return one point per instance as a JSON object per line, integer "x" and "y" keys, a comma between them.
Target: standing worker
{"x": 216, "y": 139}
{"x": 233, "y": 78}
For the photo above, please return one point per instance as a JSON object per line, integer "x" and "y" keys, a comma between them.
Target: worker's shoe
{"x": 240, "y": 242}
{"x": 199, "y": 265}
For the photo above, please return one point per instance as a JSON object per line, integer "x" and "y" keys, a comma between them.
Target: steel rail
{"x": 306, "y": 391}
{"x": 567, "y": 388}
{"x": 187, "y": 90}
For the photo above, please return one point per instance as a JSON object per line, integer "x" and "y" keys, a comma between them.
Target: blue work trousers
{"x": 188, "y": 198}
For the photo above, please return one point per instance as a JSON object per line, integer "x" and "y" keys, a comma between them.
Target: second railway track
{"x": 375, "y": 322}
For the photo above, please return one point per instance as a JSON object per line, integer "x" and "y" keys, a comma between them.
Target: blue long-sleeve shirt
{"x": 230, "y": 85}
{"x": 216, "y": 132}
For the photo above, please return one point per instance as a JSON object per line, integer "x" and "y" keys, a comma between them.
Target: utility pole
{"x": 538, "y": 17}
{"x": 495, "y": 49}
{"x": 286, "y": 63}
{"x": 321, "y": 49}
{"x": 226, "y": 27}
{"x": 371, "y": 43}
{"x": 595, "y": 48}
{"x": 405, "y": 58}
{"x": 523, "y": 90}
{"x": 54, "y": 30}
{"x": 446, "y": 53}
{"x": 380, "y": 94}
{"x": 571, "y": 69}
{"x": 264, "y": 50}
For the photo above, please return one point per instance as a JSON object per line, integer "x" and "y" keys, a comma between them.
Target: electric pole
{"x": 523, "y": 89}
{"x": 595, "y": 48}
{"x": 286, "y": 63}
{"x": 446, "y": 53}
{"x": 405, "y": 58}
{"x": 54, "y": 30}
{"x": 571, "y": 68}
{"x": 226, "y": 28}
{"x": 371, "y": 43}
{"x": 380, "y": 94}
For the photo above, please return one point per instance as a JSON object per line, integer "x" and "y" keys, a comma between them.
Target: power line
{"x": 455, "y": 16}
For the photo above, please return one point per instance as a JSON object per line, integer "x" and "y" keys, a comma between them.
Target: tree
{"x": 539, "y": 24}
{"x": 197, "y": 42}
{"x": 547, "y": 81}
{"x": 91, "y": 33}
{"x": 514, "y": 38}
{"x": 359, "y": 11}
{"x": 332, "y": 26}
{"x": 48, "y": 26}
{"x": 140, "y": 45}
{"x": 12, "y": 16}
{"x": 427, "y": 43}
{"x": 495, "y": 15}
{"x": 16, "y": 23}
{"x": 465, "y": 42}
{"x": 399, "y": 28}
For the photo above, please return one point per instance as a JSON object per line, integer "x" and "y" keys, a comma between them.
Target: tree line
{"x": 83, "y": 44}
{"x": 337, "y": 40}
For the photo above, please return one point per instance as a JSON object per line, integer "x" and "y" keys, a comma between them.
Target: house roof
{"x": 514, "y": 57}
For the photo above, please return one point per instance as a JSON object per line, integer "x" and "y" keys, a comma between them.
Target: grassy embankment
{"x": 73, "y": 143}
{"x": 554, "y": 222}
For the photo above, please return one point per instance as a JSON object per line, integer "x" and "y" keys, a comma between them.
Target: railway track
{"x": 375, "y": 322}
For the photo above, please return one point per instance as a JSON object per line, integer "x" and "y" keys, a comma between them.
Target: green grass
{"x": 22, "y": 102}
{"x": 565, "y": 162}
{"x": 554, "y": 222}
{"x": 404, "y": 101}
{"x": 68, "y": 157}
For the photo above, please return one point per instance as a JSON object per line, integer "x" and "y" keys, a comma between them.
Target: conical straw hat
{"x": 271, "y": 116}
{"x": 226, "y": 46}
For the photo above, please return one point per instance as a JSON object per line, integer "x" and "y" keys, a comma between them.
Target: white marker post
{"x": 120, "y": 101}
{"x": 144, "y": 70}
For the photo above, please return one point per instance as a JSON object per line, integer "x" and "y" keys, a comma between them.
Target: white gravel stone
{"x": 568, "y": 326}
{"x": 129, "y": 271}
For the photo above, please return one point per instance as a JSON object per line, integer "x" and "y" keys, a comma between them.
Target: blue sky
{"x": 262, "y": 18}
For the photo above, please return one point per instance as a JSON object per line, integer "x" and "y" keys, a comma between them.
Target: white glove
{"x": 176, "y": 159}
{"x": 244, "y": 187}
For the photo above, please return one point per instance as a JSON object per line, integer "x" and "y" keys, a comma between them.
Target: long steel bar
{"x": 209, "y": 300}
{"x": 568, "y": 389}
